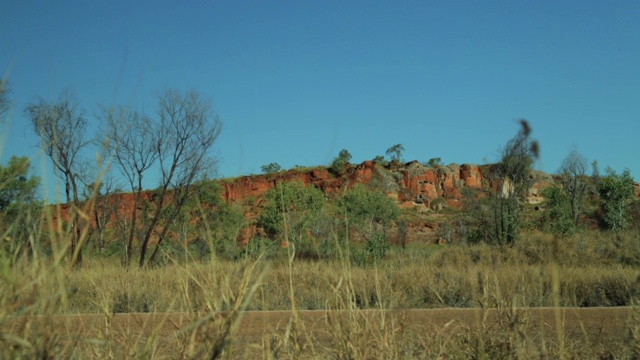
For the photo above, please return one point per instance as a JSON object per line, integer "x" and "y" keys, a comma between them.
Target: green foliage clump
{"x": 339, "y": 163}
{"x": 377, "y": 246}
{"x": 438, "y": 203}
{"x": 266, "y": 248}
{"x": 366, "y": 207}
{"x": 218, "y": 224}
{"x": 434, "y": 162}
{"x": 289, "y": 209}
{"x": 395, "y": 153}
{"x": 17, "y": 188}
{"x": 616, "y": 196}
{"x": 369, "y": 212}
{"x": 558, "y": 216}
{"x": 19, "y": 208}
{"x": 379, "y": 159}
{"x": 271, "y": 168}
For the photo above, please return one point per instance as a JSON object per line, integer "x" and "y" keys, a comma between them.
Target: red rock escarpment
{"x": 410, "y": 183}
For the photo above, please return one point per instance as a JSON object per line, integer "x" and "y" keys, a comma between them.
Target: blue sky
{"x": 294, "y": 82}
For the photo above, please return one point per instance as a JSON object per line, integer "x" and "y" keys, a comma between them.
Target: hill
{"x": 428, "y": 195}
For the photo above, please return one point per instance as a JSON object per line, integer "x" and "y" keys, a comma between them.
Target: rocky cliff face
{"x": 411, "y": 184}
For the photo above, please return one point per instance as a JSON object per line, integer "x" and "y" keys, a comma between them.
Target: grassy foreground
{"x": 196, "y": 310}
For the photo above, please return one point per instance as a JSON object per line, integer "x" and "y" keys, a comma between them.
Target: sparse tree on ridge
{"x": 61, "y": 128}
{"x": 395, "y": 152}
{"x": 434, "y": 162}
{"x": 339, "y": 163}
{"x": 271, "y": 168}
{"x": 379, "y": 159}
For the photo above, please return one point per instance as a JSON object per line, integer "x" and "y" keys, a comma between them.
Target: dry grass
{"x": 199, "y": 314}
{"x": 100, "y": 287}
{"x": 519, "y": 304}
{"x": 196, "y": 311}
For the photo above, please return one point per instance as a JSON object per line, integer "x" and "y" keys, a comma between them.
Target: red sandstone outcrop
{"x": 411, "y": 184}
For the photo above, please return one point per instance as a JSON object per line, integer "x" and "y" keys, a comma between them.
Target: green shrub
{"x": 261, "y": 246}
{"x": 377, "y": 246}
{"x": 616, "y": 195}
{"x": 380, "y": 160}
{"x": 271, "y": 168}
{"x": 434, "y": 162}
{"x": 289, "y": 211}
{"x": 340, "y": 163}
{"x": 557, "y": 214}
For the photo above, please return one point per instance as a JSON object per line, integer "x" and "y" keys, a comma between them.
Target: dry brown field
{"x": 452, "y": 302}
{"x": 425, "y": 333}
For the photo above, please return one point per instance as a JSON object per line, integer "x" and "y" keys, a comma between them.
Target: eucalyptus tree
{"x": 395, "y": 152}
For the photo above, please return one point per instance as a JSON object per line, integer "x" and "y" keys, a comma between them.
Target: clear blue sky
{"x": 297, "y": 81}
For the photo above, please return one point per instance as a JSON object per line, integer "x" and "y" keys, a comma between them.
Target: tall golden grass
{"x": 365, "y": 307}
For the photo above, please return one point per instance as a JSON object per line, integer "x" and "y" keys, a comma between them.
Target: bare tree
{"x": 573, "y": 177}
{"x": 61, "y": 128}
{"x": 177, "y": 142}
{"x": 135, "y": 145}
{"x": 190, "y": 129}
